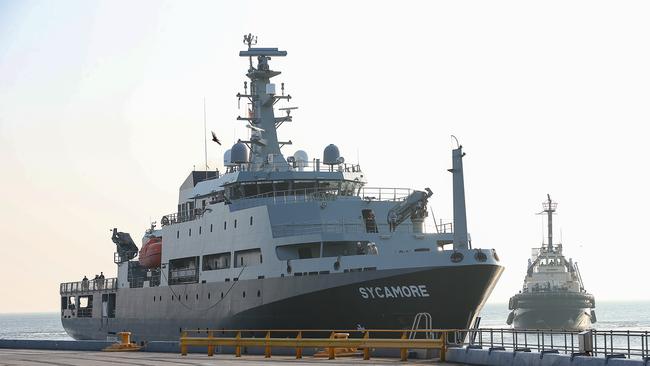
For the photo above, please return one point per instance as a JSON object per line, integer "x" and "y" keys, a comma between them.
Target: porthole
{"x": 224, "y": 225}
{"x": 178, "y": 234}
{"x": 480, "y": 256}
{"x": 200, "y": 230}
{"x": 159, "y": 298}
{"x": 251, "y": 221}
{"x": 189, "y": 231}
{"x": 235, "y": 223}
{"x": 185, "y": 297}
{"x": 259, "y": 293}
{"x": 243, "y": 294}
{"x": 210, "y": 227}
{"x": 154, "y": 299}
{"x": 197, "y": 296}
{"x": 208, "y": 296}
{"x": 456, "y": 257}
{"x": 222, "y": 295}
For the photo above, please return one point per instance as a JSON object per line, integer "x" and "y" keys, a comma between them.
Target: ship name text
{"x": 385, "y": 292}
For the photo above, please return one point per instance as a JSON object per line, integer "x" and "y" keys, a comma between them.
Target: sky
{"x": 101, "y": 119}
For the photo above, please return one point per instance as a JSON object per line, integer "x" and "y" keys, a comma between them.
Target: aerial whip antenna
{"x": 205, "y": 139}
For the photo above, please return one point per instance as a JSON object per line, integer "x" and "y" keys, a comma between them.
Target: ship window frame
{"x": 200, "y": 230}
{"x": 215, "y": 258}
{"x": 210, "y": 227}
{"x": 235, "y": 224}
{"x": 189, "y": 231}
{"x": 251, "y": 221}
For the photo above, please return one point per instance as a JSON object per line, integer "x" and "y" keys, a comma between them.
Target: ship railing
{"x": 88, "y": 286}
{"x": 600, "y": 343}
{"x": 183, "y": 216}
{"x": 307, "y": 166}
{"x": 384, "y": 193}
{"x": 335, "y": 228}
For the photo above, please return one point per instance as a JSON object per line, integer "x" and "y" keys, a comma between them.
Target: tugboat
{"x": 553, "y": 296}
{"x": 285, "y": 242}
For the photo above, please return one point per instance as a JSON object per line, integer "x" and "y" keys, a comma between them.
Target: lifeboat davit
{"x": 151, "y": 252}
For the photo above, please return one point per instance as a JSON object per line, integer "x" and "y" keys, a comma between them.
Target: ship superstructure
{"x": 279, "y": 242}
{"x": 553, "y": 294}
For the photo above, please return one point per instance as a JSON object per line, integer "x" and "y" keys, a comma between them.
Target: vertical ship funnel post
{"x": 460, "y": 215}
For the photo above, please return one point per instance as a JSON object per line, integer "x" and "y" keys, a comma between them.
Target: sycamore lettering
{"x": 387, "y": 292}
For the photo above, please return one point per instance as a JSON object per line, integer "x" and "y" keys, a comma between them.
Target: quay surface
{"x": 15, "y": 357}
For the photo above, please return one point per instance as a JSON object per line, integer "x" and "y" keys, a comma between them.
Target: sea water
{"x": 611, "y": 316}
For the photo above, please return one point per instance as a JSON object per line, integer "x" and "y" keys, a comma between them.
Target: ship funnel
{"x": 460, "y": 215}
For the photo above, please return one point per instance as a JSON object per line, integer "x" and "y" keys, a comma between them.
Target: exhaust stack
{"x": 460, "y": 215}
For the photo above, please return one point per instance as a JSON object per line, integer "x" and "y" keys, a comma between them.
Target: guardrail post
{"x": 331, "y": 349}
{"x": 404, "y": 353}
{"x": 210, "y": 344}
{"x": 443, "y": 349}
{"x": 267, "y": 348}
{"x": 298, "y": 349}
{"x": 366, "y": 350}
{"x": 183, "y": 344}
{"x": 237, "y": 345}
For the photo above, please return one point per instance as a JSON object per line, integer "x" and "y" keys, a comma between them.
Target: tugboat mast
{"x": 549, "y": 209}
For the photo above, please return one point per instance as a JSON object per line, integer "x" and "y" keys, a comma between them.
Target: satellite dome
{"x": 301, "y": 159}
{"x": 239, "y": 153}
{"x": 331, "y": 155}
{"x": 300, "y": 155}
{"x": 226, "y": 158}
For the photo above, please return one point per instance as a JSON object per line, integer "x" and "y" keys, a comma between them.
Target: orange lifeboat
{"x": 151, "y": 252}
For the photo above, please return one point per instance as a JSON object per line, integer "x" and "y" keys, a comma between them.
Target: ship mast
{"x": 263, "y": 145}
{"x": 549, "y": 209}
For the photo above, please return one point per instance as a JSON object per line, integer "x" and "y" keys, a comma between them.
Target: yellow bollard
{"x": 183, "y": 344}
{"x": 267, "y": 348}
{"x": 366, "y": 351}
{"x": 210, "y": 346}
{"x": 299, "y": 349}
{"x": 238, "y": 347}
{"x": 404, "y": 353}
{"x": 331, "y": 349}
{"x": 125, "y": 337}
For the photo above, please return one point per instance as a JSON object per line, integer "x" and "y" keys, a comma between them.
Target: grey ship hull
{"x": 561, "y": 310}
{"x": 330, "y": 301}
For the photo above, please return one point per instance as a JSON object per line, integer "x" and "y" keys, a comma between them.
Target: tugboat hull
{"x": 570, "y": 311}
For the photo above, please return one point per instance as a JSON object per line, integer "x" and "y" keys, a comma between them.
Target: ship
{"x": 285, "y": 242}
{"x": 553, "y": 294}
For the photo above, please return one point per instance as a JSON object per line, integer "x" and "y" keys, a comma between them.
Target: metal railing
{"x": 384, "y": 194}
{"x": 308, "y": 166}
{"x": 606, "y": 343}
{"x": 336, "y": 228}
{"x": 89, "y": 285}
{"x": 339, "y": 341}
